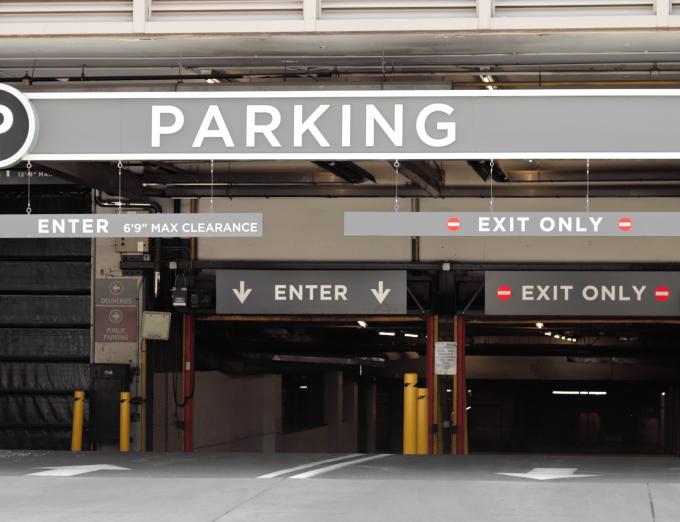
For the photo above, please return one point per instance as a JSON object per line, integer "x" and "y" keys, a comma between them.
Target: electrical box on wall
{"x": 156, "y": 325}
{"x": 108, "y": 380}
{"x": 128, "y": 245}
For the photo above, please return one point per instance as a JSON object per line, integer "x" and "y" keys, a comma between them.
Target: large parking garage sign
{"x": 316, "y": 125}
{"x": 17, "y": 125}
{"x": 548, "y": 293}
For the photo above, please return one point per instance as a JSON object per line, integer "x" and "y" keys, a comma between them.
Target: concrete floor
{"x": 231, "y": 487}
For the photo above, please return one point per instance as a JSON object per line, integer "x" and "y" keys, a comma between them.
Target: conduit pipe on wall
{"x": 150, "y": 206}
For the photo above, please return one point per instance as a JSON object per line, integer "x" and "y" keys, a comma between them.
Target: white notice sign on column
{"x": 445, "y": 358}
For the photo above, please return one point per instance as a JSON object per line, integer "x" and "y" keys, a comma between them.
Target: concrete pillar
{"x": 442, "y": 415}
{"x": 271, "y": 412}
{"x": 370, "y": 407}
{"x": 350, "y": 416}
{"x": 333, "y": 409}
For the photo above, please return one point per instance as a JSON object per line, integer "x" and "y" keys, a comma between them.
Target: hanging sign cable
{"x": 212, "y": 183}
{"x": 396, "y": 185}
{"x": 28, "y": 176}
{"x": 120, "y": 186}
{"x": 587, "y": 185}
{"x": 491, "y": 165}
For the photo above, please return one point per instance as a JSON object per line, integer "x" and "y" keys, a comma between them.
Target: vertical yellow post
{"x": 143, "y": 386}
{"x": 410, "y": 407}
{"x": 124, "y": 433}
{"x": 422, "y": 432}
{"x": 77, "y": 425}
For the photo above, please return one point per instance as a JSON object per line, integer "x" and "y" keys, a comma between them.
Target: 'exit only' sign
{"x": 549, "y": 293}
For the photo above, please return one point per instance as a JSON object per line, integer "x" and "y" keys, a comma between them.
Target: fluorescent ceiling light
{"x": 303, "y": 387}
{"x": 468, "y": 408}
{"x": 363, "y": 324}
{"x": 410, "y": 335}
{"x": 549, "y": 334}
{"x": 539, "y": 325}
{"x": 212, "y": 81}
{"x": 576, "y": 392}
{"x": 390, "y": 334}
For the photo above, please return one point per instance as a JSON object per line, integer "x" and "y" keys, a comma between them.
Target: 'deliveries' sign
{"x": 548, "y": 293}
{"x": 316, "y": 125}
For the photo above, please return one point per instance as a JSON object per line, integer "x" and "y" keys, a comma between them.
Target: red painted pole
{"x": 429, "y": 378}
{"x": 462, "y": 389}
{"x": 188, "y": 382}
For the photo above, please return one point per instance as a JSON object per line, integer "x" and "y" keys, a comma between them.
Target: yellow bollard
{"x": 124, "y": 421}
{"x": 422, "y": 431}
{"x": 410, "y": 400}
{"x": 77, "y": 425}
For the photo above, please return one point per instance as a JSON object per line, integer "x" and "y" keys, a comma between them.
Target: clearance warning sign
{"x": 540, "y": 294}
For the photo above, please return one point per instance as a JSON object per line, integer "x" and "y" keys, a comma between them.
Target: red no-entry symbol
{"x": 625, "y": 224}
{"x": 504, "y": 293}
{"x": 453, "y": 224}
{"x": 662, "y": 293}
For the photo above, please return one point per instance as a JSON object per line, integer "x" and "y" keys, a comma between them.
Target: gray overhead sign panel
{"x": 316, "y": 125}
{"x": 131, "y": 225}
{"x": 313, "y": 292}
{"x": 502, "y": 224}
{"x": 582, "y": 294}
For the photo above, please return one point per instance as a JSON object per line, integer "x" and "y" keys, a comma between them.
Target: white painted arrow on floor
{"x": 241, "y": 292}
{"x": 381, "y": 293}
{"x": 71, "y": 471}
{"x": 548, "y": 474}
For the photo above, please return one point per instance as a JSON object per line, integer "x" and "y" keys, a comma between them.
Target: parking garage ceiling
{"x": 446, "y": 179}
{"x": 376, "y": 61}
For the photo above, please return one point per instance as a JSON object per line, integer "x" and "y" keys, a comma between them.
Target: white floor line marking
{"x": 308, "y": 465}
{"x": 71, "y": 471}
{"x": 320, "y": 471}
{"x": 548, "y": 474}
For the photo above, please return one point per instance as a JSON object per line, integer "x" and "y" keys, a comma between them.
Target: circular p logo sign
{"x": 17, "y": 126}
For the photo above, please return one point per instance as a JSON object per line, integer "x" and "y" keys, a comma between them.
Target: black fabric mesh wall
{"x": 39, "y": 377}
{"x": 44, "y": 322}
{"x": 41, "y": 276}
{"x": 44, "y": 344}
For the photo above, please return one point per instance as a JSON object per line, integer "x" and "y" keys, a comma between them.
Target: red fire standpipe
{"x": 429, "y": 378}
{"x": 188, "y": 382}
{"x": 461, "y": 405}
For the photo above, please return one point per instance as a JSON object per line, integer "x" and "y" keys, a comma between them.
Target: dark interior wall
{"x": 526, "y": 416}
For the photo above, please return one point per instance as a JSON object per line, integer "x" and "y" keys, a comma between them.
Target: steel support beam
{"x": 502, "y": 190}
{"x": 483, "y": 169}
{"x": 424, "y": 174}
{"x": 102, "y": 176}
{"x": 347, "y": 170}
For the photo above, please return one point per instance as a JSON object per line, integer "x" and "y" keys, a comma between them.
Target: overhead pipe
{"x": 151, "y": 206}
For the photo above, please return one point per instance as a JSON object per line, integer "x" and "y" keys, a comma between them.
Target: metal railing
{"x": 33, "y": 17}
{"x": 224, "y": 9}
{"x": 397, "y": 8}
{"x": 66, "y": 11}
